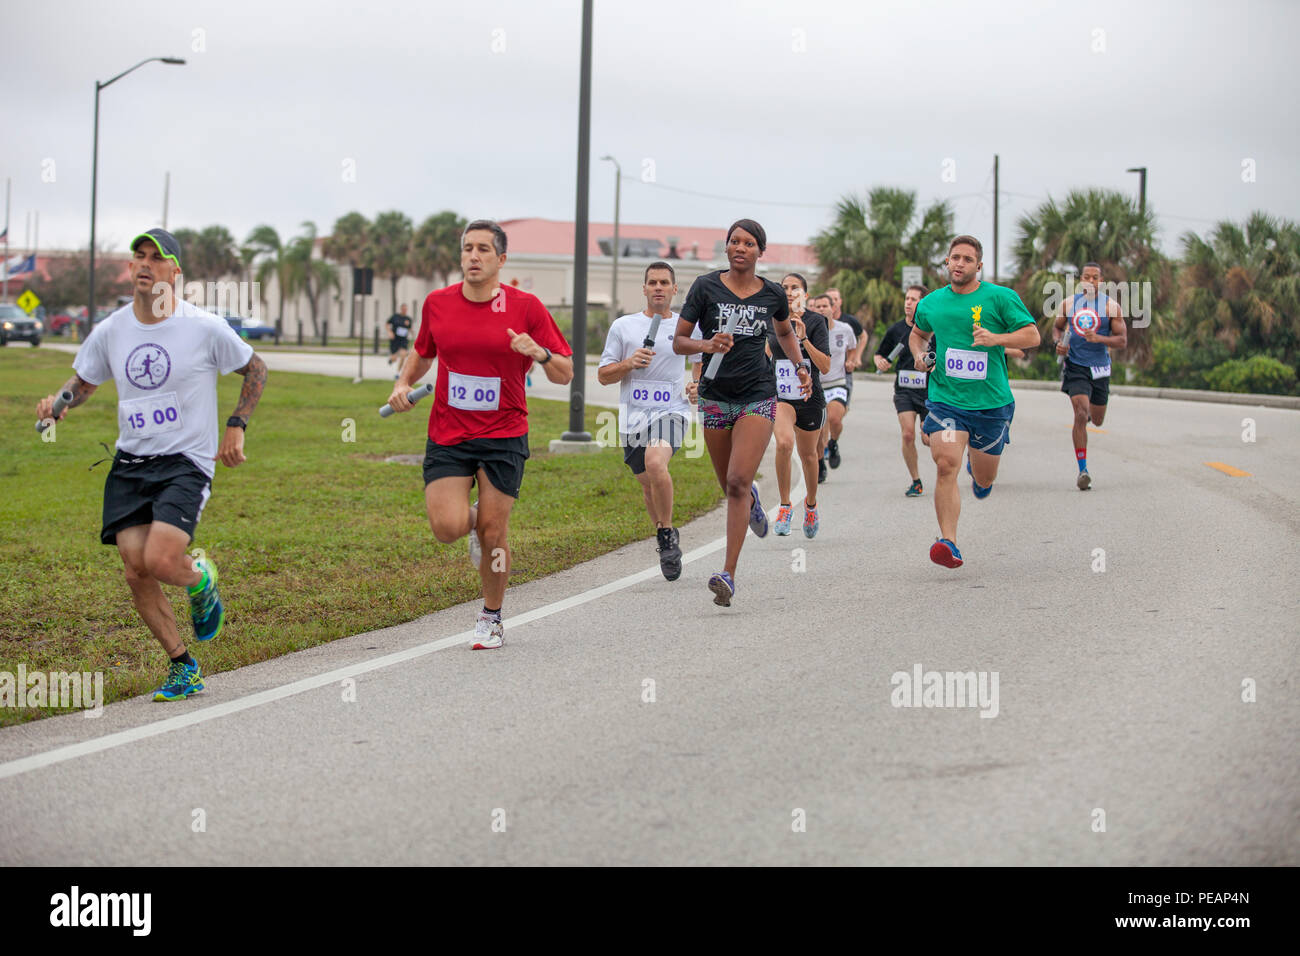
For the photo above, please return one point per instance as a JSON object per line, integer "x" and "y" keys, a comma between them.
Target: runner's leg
{"x": 784, "y": 430}
{"x": 446, "y": 500}
{"x": 146, "y": 593}
{"x": 807, "y": 444}
{"x": 749, "y": 440}
{"x": 907, "y": 423}
{"x": 835, "y": 419}
{"x": 658, "y": 482}
{"x": 493, "y": 519}
{"x": 1079, "y": 433}
{"x": 948, "y": 462}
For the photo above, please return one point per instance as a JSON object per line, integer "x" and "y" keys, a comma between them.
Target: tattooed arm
{"x": 231, "y": 452}
{"x": 80, "y": 389}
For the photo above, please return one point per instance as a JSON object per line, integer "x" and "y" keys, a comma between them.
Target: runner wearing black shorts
{"x": 738, "y": 400}
{"x": 485, "y": 336}
{"x": 399, "y": 337}
{"x": 911, "y": 387}
{"x": 799, "y": 421}
{"x": 1095, "y": 325}
{"x": 852, "y": 361}
{"x": 164, "y": 358}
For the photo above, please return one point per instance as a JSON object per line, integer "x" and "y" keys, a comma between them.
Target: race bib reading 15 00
{"x": 150, "y": 417}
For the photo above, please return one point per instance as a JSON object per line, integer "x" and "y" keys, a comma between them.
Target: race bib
{"x": 473, "y": 393}
{"x": 911, "y": 379}
{"x": 960, "y": 363}
{"x": 401, "y": 332}
{"x": 1101, "y": 371}
{"x": 838, "y": 394}
{"x": 787, "y": 381}
{"x": 651, "y": 394}
{"x": 150, "y": 417}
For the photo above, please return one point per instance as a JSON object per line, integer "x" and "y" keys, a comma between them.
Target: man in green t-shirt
{"x": 970, "y": 399}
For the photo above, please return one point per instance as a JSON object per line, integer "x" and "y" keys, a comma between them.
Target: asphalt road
{"x": 1119, "y": 691}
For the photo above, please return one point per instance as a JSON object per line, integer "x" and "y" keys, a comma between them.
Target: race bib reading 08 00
{"x": 960, "y": 363}
{"x": 150, "y": 417}
{"x": 650, "y": 394}
{"x": 473, "y": 393}
{"x": 787, "y": 381}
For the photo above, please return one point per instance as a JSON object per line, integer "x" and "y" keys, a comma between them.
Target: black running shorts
{"x": 140, "y": 490}
{"x": 502, "y": 459}
{"x": 1078, "y": 380}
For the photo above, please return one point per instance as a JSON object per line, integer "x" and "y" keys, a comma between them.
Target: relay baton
{"x": 413, "y": 396}
{"x": 898, "y": 350}
{"x": 715, "y": 359}
{"x": 654, "y": 331}
{"x": 61, "y": 401}
{"x": 1060, "y": 359}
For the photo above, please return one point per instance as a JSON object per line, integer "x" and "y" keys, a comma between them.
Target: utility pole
{"x": 1142, "y": 188}
{"x": 577, "y": 407}
{"x": 995, "y": 218}
{"x": 5, "y": 296}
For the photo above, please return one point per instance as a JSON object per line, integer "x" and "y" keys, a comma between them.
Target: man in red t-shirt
{"x": 486, "y": 337}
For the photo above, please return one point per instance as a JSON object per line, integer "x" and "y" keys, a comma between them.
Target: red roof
{"x": 551, "y": 237}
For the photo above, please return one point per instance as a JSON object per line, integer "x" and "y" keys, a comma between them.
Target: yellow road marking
{"x": 1228, "y": 469}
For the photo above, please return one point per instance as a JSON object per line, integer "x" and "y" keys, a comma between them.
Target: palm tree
{"x": 212, "y": 255}
{"x": 349, "y": 243}
{"x": 1094, "y": 225}
{"x": 390, "y": 246}
{"x": 435, "y": 247}
{"x": 1240, "y": 289}
{"x": 864, "y": 249}
{"x": 273, "y": 262}
{"x": 309, "y": 273}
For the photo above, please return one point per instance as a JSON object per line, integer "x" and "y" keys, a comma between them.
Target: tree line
{"x": 1224, "y": 314}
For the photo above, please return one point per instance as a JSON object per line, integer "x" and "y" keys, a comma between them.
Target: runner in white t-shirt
{"x": 653, "y": 411}
{"x": 835, "y": 382}
{"x": 164, "y": 358}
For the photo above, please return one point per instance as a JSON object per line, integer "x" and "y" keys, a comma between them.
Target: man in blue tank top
{"x": 1088, "y": 326}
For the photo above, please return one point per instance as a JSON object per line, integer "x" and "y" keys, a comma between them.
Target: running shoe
{"x": 757, "y": 516}
{"x": 783, "y": 516}
{"x": 915, "y": 490}
{"x": 821, "y": 472}
{"x": 182, "y": 681}
{"x": 810, "y": 520}
{"x": 489, "y": 633}
{"x": 475, "y": 549}
{"x": 723, "y": 588}
{"x": 207, "y": 613}
{"x": 945, "y": 552}
{"x": 670, "y": 553}
{"x": 833, "y": 453}
{"x": 1085, "y": 480}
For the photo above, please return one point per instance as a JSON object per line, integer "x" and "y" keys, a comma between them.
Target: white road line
{"x": 124, "y": 737}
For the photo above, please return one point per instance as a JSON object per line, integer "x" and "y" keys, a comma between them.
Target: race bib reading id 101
{"x": 961, "y": 363}
{"x": 650, "y": 394}
{"x": 473, "y": 393}
{"x": 787, "y": 381}
{"x": 908, "y": 379}
{"x": 150, "y": 417}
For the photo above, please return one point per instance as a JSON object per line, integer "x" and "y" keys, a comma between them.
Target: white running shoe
{"x": 475, "y": 549}
{"x": 488, "y": 634}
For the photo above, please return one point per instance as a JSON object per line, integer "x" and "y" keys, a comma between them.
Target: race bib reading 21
{"x": 473, "y": 393}
{"x": 150, "y": 417}
{"x": 960, "y": 363}
{"x": 787, "y": 381}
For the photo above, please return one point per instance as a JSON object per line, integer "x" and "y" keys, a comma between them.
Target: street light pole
{"x": 578, "y": 387}
{"x": 1142, "y": 188}
{"x": 618, "y": 184}
{"x": 94, "y": 173}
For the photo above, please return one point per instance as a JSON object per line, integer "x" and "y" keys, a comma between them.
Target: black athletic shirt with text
{"x": 745, "y": 375}
{"x": 815, "y": 326}
{"x": 900, "y": 331}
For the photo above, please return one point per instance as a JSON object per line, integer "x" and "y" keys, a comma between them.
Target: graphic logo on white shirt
{"x": 148, "y": 366}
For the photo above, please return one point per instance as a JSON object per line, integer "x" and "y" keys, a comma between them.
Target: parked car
{"x": 17, "y": 326}
{"x": 250, "y": 328}
{"x": 61, "y": 323}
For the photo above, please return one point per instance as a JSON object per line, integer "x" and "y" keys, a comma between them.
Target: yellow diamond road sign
{"x": 28, "y": 301}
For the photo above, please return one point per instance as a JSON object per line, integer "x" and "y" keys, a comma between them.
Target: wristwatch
{"x": 548, "y": 356}
{"x": 234, "y": 421}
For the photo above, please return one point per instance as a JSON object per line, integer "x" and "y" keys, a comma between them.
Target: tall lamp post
{"x": 577, "y": 388}
{"x": 94, "y": 173}
{"x": 1142, "y": 188}
{"x": 618, "y": 183}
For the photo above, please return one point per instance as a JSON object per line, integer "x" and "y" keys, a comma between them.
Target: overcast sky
{"x": 782, "y": 107}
